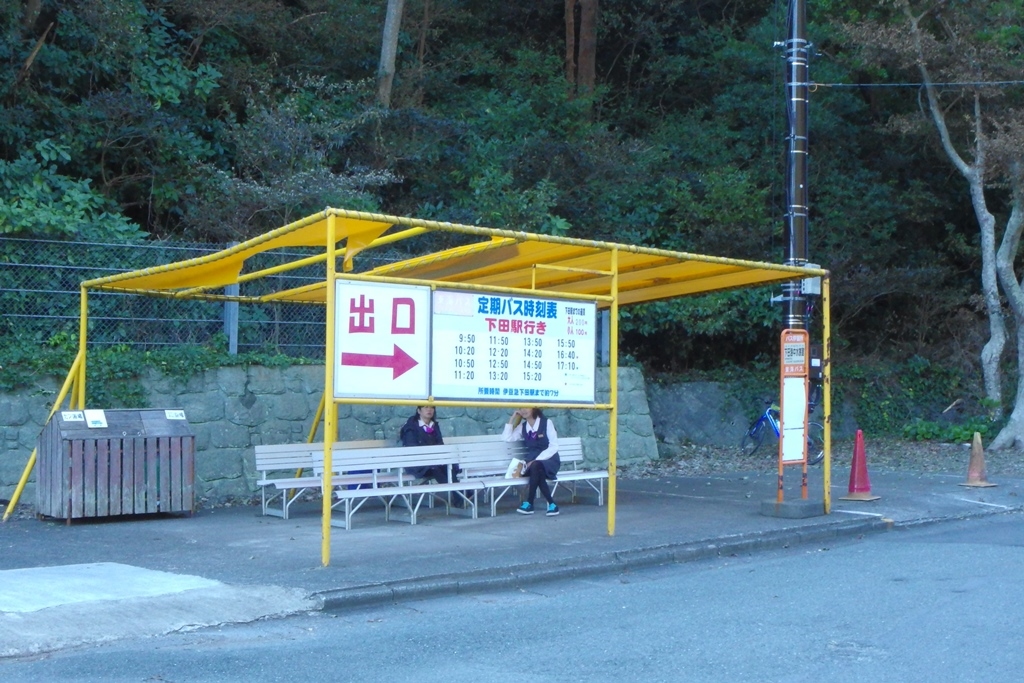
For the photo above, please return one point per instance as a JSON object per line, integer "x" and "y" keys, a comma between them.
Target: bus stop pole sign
{"x": 795, "y": 353}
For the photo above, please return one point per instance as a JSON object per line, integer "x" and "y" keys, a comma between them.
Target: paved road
{"x": 68, "y": 586}
{"x": 936, "y": 603}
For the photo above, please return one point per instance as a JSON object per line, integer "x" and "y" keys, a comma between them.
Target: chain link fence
{"x": 40, "y": 298}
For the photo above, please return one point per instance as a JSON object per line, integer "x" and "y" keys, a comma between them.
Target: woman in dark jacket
{"x": 422, "y": 430}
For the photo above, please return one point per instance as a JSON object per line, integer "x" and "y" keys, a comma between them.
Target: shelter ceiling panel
{"x": 315, "y": 234}
{"x": 595, "y": 265}
{"x": 713, "y": 283}
{"x": 502, "y": 259}
{"x": 443, "y": 264}
{"x": 217, "y": 273}
{"x": 224, "y": 267}
{"x": 640, "y": 277}
{"x": 316, "y": 293}
{"x": 506, "y": 263}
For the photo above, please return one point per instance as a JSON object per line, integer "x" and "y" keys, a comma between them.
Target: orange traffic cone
{"x": 976, "y": 467}
{"x": 860, "y": 485}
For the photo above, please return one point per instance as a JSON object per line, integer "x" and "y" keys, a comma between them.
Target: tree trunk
{"x": 992, "y": 352}
{"x": 587, "y": 71}
{"x": 974, "y": 173}
{"x": 421, "y": 44}
{"x": 1012, "y": 434}
{"x": 570, "y": 45}
{"x": 388, "y": 50}
{"x": 421, "y": 53}
{"x": 31, "y": 13}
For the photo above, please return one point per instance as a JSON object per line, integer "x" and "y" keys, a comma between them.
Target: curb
{"x": 929, "y": 521}
{"x": 518, "y": 576}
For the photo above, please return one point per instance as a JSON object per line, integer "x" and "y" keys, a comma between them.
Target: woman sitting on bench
{"x": 542, "y": 461}
{"x": 422, "y": 430}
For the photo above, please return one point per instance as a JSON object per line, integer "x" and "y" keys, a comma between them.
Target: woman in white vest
{"x": 542, "y": 462}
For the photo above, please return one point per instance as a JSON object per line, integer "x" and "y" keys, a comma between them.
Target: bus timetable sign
{"x": 402, "y": 341}
{"x": 501, "y": 347}
{"x": 793, "y": 401}
{"x": 794, "y": 353}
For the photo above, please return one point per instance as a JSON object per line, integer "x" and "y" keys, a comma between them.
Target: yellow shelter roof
{"x": 501, "y": 259}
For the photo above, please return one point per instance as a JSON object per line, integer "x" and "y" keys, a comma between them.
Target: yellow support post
{"x": 331, "y": 416}
{"x": 826, "y": 390}
{"x": 21, "y": 484}
{"x": 613, "y": 390}
{"x": 316, "y": 419}
{"x": 83, "y": 330}
{"x": 312, "y": 435}
{"x": 69, "y": 382}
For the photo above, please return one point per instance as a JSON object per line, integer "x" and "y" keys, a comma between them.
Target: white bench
{"x": 378, "y": 469}
{"x": 395, "y": 486}
{"x": 289, "y": 470}
{"x": 486, "y": 458}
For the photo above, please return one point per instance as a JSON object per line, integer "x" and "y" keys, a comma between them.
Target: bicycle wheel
{"x": 753, "y": 439}
{"x": 815, "y": 443}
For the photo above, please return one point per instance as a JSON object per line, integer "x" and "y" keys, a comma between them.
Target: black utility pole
{"x": 796, "y": 47}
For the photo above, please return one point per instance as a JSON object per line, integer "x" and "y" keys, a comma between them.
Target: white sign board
{"x": 501, "y": 347}
{"x": 794, "y": 406}
{"x": 382, "y": 340}
{"x": 95, "y": 419}
{"x": 793, "y": 438}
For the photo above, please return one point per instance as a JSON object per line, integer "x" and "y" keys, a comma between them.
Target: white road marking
{"x": 978, "y": 502}
{"x": 858, "y": 512}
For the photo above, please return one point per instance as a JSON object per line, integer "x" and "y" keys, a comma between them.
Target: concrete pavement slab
{"x": 29, "y": 590}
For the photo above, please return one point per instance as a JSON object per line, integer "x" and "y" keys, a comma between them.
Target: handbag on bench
{"x": 515, "y": 469}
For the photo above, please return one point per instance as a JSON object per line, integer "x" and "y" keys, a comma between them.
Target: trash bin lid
{"x": 121, "y": 423}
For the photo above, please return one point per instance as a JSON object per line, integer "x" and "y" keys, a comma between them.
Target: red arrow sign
{"x": 399, "y": 361}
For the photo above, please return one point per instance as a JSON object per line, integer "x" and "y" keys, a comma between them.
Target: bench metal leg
{"x": 345, "y": 523}
{"x": 267, "y": 501}
{"x": 351, "y": 506}
{"x": 496, "y": 497}
{"x": 286, "y": 501}
{"x": 469, "y": 508}
{"x": 406, "y": 501}
{"x": 555, "y": 483}
{"x": 598, "y": 489}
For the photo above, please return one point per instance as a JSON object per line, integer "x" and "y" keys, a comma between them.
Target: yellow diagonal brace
{"x": 68, "y": 383}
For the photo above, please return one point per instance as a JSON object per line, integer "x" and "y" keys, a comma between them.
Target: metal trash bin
{"x": 104, "y": 463}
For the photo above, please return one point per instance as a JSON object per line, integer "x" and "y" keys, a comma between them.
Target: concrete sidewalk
{"x": 147, "y": 576}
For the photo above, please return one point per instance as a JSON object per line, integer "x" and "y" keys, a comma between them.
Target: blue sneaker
{"x": 525, "y": 509}
{"x": 552, "y": 510}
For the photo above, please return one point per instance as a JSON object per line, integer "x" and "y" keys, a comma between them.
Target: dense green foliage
{"x": 112, "y": 372}
{"x": 221, "y": 119}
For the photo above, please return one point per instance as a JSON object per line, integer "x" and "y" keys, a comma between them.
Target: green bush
{"x": 112, "y": 372}
{"x": 924, "y": 430}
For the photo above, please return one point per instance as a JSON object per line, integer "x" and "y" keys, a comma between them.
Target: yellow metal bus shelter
{"x": 502, "y": 261}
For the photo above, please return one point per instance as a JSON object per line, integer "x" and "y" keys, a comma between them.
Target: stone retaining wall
{"x": 231, "y": 410}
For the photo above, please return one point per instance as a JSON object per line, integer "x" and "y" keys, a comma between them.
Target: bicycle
{"x": 755, "y": 435}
